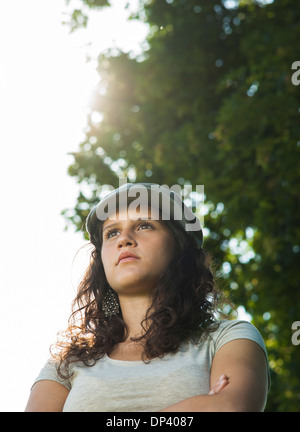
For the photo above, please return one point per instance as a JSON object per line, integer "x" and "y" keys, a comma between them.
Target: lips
{"x": 127, "y": 256}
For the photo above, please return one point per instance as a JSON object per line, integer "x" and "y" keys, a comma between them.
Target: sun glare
{"x": 47, "y": 78}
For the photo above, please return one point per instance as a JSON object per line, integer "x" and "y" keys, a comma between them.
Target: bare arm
{"x": 244, "y": 363}
{"x": 47, "y": 396}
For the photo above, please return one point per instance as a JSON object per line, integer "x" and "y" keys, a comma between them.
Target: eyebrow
{"x": 110, "y": 226}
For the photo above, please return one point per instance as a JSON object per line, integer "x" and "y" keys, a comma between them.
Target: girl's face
{"x": 148, "y": 240}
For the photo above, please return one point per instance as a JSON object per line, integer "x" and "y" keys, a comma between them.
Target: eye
{"x": 145, "y": 225}
{"x": 110, "y": 233}
{"x": 113, "y": 232}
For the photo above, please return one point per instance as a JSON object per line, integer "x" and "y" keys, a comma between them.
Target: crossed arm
{"x": 238, "y": 383}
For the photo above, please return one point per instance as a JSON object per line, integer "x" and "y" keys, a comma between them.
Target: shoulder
{"x": 47, "y": 396}
{"x": 49, "y": 372}
{"x": 49, "y": 391}
{"x": 229, "y": 330}
{"x": 241, "y": 351}
{"x": 240, "y": 354}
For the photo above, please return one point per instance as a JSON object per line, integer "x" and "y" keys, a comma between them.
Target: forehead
{"x": 134, "y": 214}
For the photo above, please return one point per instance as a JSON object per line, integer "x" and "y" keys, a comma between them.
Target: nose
{"x": 125, "y": 239}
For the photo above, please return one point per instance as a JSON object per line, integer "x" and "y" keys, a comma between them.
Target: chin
{"x": 133, "y": 287}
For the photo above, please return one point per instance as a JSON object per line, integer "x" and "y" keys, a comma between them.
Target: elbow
{"x": 231, "y": 407}
{"x": 242, "y": 406}
{"x": 239, "y": 401}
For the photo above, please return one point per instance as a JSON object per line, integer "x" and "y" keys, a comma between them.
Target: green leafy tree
{"x": 79, "y": 17}
{"x": 212, "y": 102}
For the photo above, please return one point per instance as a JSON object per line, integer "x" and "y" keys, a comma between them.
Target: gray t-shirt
{"x": 116, "y": 385}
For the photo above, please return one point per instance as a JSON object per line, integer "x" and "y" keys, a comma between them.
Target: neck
{"x": 134, "y": 311}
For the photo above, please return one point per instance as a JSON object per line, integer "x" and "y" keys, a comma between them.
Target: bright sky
{"x": 45, "y": 86}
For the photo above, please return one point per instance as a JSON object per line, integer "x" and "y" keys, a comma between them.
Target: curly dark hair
{"x": 183, "y": 308}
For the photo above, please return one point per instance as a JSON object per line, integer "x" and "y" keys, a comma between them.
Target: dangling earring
{"x": 110, "y": 305}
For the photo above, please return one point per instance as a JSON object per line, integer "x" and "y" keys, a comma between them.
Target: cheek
{"x": 107, "y": 260}
{"x": 169, "y": 247}
{"x": 165, "y": 253}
